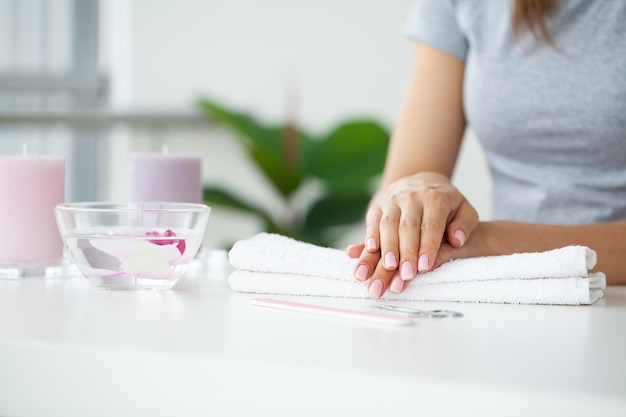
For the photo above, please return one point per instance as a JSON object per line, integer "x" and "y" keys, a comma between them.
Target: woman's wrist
{"x": 506, "y": 237}
{"x": 497, "y": 238}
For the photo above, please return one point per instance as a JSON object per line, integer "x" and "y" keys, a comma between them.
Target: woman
{"x": 542, "y": 83}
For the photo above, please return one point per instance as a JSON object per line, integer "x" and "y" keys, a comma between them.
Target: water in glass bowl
{"x": 133, "y": 258}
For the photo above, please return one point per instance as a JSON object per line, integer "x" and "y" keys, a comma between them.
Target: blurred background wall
{"x": 98, "y": 80}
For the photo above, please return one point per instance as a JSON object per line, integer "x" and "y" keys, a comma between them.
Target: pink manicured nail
{"x": 396, "y": 285}
{"x": 390, "y": 261}
{"x": 361, "y": 273}
{"x": 422, "y": 263}
{"x": 370, "y": 244}
{"x": 376, "y": 288}
{"x": 406, "y": 272}
{"x": 460, "y": 236}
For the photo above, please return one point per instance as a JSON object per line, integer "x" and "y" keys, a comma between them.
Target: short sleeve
{"x": 434, "y": 22}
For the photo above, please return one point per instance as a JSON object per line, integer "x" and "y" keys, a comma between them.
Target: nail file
{"x": 332, "y": 311}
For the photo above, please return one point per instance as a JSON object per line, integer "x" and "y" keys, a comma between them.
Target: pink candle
{"x": 166, "y": 177}
{"x": 30, "y": 188}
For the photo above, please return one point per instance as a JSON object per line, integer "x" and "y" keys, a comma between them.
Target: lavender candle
{"x": 166, "y": 177}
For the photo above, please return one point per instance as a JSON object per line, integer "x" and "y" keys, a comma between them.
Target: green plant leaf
{"x": 345, "y": 161}
{"x": 265, "y": 144}
{"x": 242, "y": 123}
{"x": 214, "y": 195}
{"x": 335, "y": 210}
{"x": 350, "y": 156}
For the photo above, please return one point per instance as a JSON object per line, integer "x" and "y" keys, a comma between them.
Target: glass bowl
{"x": 135, "y": 245}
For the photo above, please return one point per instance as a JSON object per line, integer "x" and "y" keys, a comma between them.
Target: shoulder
{"x": 436, "y": 23}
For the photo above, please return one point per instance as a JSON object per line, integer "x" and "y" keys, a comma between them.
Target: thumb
{"x": 354, "y": 251}
{"x": 462, "y": 225}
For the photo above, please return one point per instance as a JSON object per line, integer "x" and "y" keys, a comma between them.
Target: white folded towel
{"x": 274, "y": 264}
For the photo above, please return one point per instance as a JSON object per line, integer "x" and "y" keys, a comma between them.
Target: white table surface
{"x": 70, "y": 349}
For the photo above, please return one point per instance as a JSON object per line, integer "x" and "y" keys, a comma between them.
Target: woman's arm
{"x": 505, "y": 237}
{"x": 416, "y": 204}
{"x": 427, "y": 135}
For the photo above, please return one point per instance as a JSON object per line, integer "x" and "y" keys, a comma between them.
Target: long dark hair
{"x": 531, "y": 16}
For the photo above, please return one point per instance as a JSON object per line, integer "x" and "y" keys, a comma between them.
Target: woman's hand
{"x": 412, "y": 214}
{"x": 406, "y": 224}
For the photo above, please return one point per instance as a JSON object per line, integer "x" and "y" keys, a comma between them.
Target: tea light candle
{"x": 30, "y": 188}
{"x": 166, "y": 177}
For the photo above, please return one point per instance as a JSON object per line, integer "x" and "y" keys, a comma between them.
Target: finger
{"x": 433, "y": 226}
{"x": 380, "y": 281}
{"x": 448, "y": 253}
{"x": 389, "y": 224}
{"x": 372, "y": 232}
{"x": 354, "y": 251}
{"x": 366, "y": 265}
{"x": 409, "y": 235}
{"x": 397, "y": 284}
{"x": 462, "y": 225}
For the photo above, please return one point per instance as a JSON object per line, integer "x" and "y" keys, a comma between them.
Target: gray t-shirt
{"x": 552, "y": 122}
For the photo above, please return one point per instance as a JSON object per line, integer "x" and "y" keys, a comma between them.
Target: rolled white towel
{"x": 274, "y": 264}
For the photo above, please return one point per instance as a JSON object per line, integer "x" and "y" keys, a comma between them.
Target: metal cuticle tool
{"x": 413, "y": 312}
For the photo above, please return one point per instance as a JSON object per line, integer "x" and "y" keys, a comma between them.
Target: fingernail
{"x": 376, "y": 288}
{"x": 460, "y": 236}
{"x": 396, "y": 285}
{"x": 370, "y": 244}
{"x": 361, "y": 273}
{"x": 390, "y": 261}
{"x": 406, "y": 272}
{"x": 422, "y": 263}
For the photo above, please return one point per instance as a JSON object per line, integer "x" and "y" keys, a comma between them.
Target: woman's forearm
{"x": 607, "y": 239}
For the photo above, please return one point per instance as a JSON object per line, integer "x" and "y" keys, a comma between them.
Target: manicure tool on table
{"x": 362, "y": 315}
{"x": 413, "y": 312}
